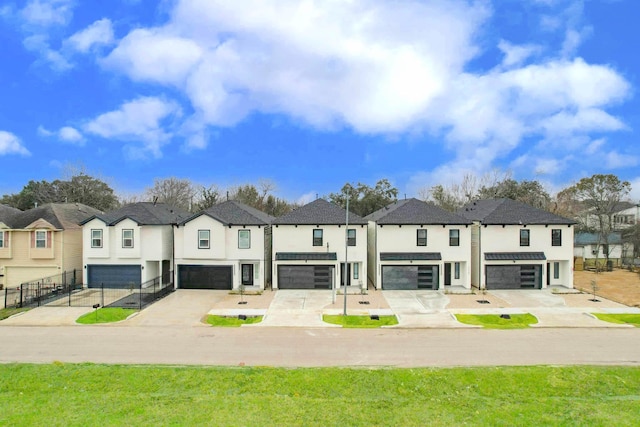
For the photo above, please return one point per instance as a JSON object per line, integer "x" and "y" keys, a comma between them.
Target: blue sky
{"x": 312, "y": 94}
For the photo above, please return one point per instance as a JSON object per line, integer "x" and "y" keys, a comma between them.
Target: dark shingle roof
{"x": 414, "y": 211}
{"x": 235, "y": 213}
{"x": 582, "y": 239}
{"x": 144, "y": 213}
{"x": 62, "y": 216}
{"x": 7, "y": 213}
{"x": 514, "y": 256}
{"x": 319, "y": 212}
{"x": 509, "y": 212}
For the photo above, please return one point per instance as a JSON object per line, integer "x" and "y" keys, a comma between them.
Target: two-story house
{"x": 130, "y": 245}
{"x": 41, "y": 242}
{"x": 416, "y": 245}
{"x": 517, "y": 246}
{"x": 311, "y": 244}
{"x": 224, "y": 247}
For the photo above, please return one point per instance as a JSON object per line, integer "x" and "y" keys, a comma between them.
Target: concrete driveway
{"x": 300, "y": 307}
{"x": 422, "y": 309}
{"x": 184, "y": 307}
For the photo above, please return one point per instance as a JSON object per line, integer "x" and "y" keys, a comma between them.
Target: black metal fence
{"x": 62, "y": 291}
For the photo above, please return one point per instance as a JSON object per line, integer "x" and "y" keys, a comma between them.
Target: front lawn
{"x": 497, "y": 321}
{"x": 631, "y": 319}
{"x": 359, "y": 321}
{"x": 8, "y": 312}
{"x": 105, "y": 315}
{"x": 112, "y": 395}
{"x": 214, "y": 320}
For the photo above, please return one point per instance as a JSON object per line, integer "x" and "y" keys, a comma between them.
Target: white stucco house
{"x": 310, "y": 244}
{"x": 223, "y": 247}
{"x": 591, "y": 246}
{"x": 416, "y": 245}
{"x": 131, "y": 245}
{"x": 517, "y": 246}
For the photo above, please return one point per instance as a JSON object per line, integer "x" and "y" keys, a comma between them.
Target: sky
{"x": 311, "y": 94}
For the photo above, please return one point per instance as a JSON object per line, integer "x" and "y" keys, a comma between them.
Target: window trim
{"x": 351, "y": 241}
{"x": 318, "y": 241}
{"x": 207, "y": 239}
{"x": 93, "y": 239}
{"x": 124, "y": 239}
{"x": 456, "y": 270}
{"x": 525, "y": 241}
{"x": 556, "y": 270}
{"x": 2, "y": 239}
{"x": 556, "y": 241}
{"x": 43, "y": 232}
{"x": 249, "y": 238}
{"x": 421, "y": 241}
{"x": 454, "y": 240}
{"x": 356, "y": 270}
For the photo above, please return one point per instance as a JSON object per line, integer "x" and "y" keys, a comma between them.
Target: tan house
{"x": 41, "y": 242}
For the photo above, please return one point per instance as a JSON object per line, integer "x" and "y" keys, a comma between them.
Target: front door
{"x": 247, "y": 274}
{"x": 447, "y": 274}
{"x": 342, "y": 275}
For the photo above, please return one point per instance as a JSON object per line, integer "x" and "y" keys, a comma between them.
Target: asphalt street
{"x": 304, "y": 347}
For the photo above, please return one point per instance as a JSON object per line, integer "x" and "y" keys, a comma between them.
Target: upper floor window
{"x": 244, "y": 239}
{"x": 556, "y": 237}
{"x": 524, "y": 237}
{"x": 317, "y": 237}
{"x": 41, "y": 239}
{"x": 96, "y": 238}
{"x": 2, "y": 240}
{"x": 454, "y": 237}
{"x": 127, "y": 238}
{"x": 204, "y": 239}
{"x": 421, "y": 237}
{"x": 351, "y": 237}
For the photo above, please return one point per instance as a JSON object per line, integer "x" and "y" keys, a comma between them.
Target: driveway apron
{"x": 184, "y": 307}
{"x": 297, "y": 308}
{"x": 421, "y": 309}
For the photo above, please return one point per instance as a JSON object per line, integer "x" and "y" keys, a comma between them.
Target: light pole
{"x": 346, "y": 248}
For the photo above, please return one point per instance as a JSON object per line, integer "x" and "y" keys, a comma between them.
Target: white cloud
{"x": 635, "y": 189}
{"x": 595, "y": 146}
{"x": 139, "y": 120}
{"x": 98, "y": 33}
{"x": 72, "y": 135}
{"x": 45, "y": 13}
{"x": 516, "y": 54}
{"x": 11, "y": 144}
{"x": 307, "y": 198}
{"x": 615, "y": 160}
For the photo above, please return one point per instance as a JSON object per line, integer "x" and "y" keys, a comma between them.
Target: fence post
{"x": 38, "y": 293}
{"x": 140, "y": 287}
{"x": 5, "y": 297}
{"x": 102, "y": 294}
{"x": 69, "y": 290}
{"x": 20, "y": 295}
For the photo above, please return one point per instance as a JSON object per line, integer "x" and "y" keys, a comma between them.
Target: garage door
{"x": 409, "y": 277}
{"x": 514, "y": 276}
{"x": 304, "y": 276}
{"x": 205, "y": 277}
{"x": 113, "y": 276}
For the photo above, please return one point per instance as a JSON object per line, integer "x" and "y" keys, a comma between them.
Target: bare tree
{"x": 177, "y": 192}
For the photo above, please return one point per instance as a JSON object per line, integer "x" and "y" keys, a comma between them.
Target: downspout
{"x": 173, "y": 256}
{"x": 480, "y": 257}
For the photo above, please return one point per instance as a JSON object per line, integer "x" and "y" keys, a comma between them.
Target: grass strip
{"x": 8, "y": 312}
{"x": 626, "y": 318}
{"x": 215, "y": 320}
{"x": 105, "y": 315}
{"x": 496, "y": 321}
{"x": 85, "y": 394}
{"x": 359, "y": 321}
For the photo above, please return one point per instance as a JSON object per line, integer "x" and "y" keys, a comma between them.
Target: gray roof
{"x": 233, "y": 212}
{"x": 143, "y": 213}
{"x": 319, "y": 212}
{"x": 509, "y": 212}
{"x": 8, "y": 212}
{"x": 410, "y": 256}
{"x": 582, "y": 239}
{"x": 514, "y": 256}
{"x": 62, "y": 216}
{"x": 306, "y": 256}
{"x": 414, "y": 211}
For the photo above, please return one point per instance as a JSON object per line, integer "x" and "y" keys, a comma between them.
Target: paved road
{"x": 202, "y": 345}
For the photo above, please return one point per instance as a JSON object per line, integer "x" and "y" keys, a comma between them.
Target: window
{"x": 524, "y": 237}
{"x": 317, "y": 237}
{"x": 96, "y": 238}
{"x": 454, "y": 237}
{"x": 351, "y": 237}
{"x": 422, "y": 237}
{"x": 2, "y": 245}
{"x": 204, "y": 239}
{"x": 244, "y": 239}
{"x": 41, "y": 239}
{"x": 556, "y": 237}
{"x": 456, "y": 270}
{"x": 247, "y": 274}
{"x": 556, "y": 270}
{"x": 356, "y": 270}
{"x": 605, "y": 250}
{"x": 127, "y": 238}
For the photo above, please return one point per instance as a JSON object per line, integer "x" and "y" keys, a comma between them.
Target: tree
{"x": 176, "y": 192}
{"x": 207, "y": 197}
{"x": 364, "y": 199}
{"x": 529, "y": 192}
{"x": 600, "y": 195}
{"x": 261, "y": 198}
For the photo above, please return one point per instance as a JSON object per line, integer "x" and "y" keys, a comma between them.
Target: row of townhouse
{"x": 410, "y": 244}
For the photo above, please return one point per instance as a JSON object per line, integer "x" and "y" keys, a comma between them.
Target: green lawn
{"x": 81, "y": 395}
{"x": 632, "y": 319}
{"x": 232, "y": 321}
{"x": 494, "y": 321}
{"x": 359, "y": 321}
{"x": 8, "y": 312}
{"x": 105, "y": 315}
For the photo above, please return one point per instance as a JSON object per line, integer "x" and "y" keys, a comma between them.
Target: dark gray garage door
{"x": 205, "y": 277}
{"x": 514, "y": 276}
{"x": 304, "y": 276}
{"x": 113, "y": 276}
{"x": 409, "y": 277}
